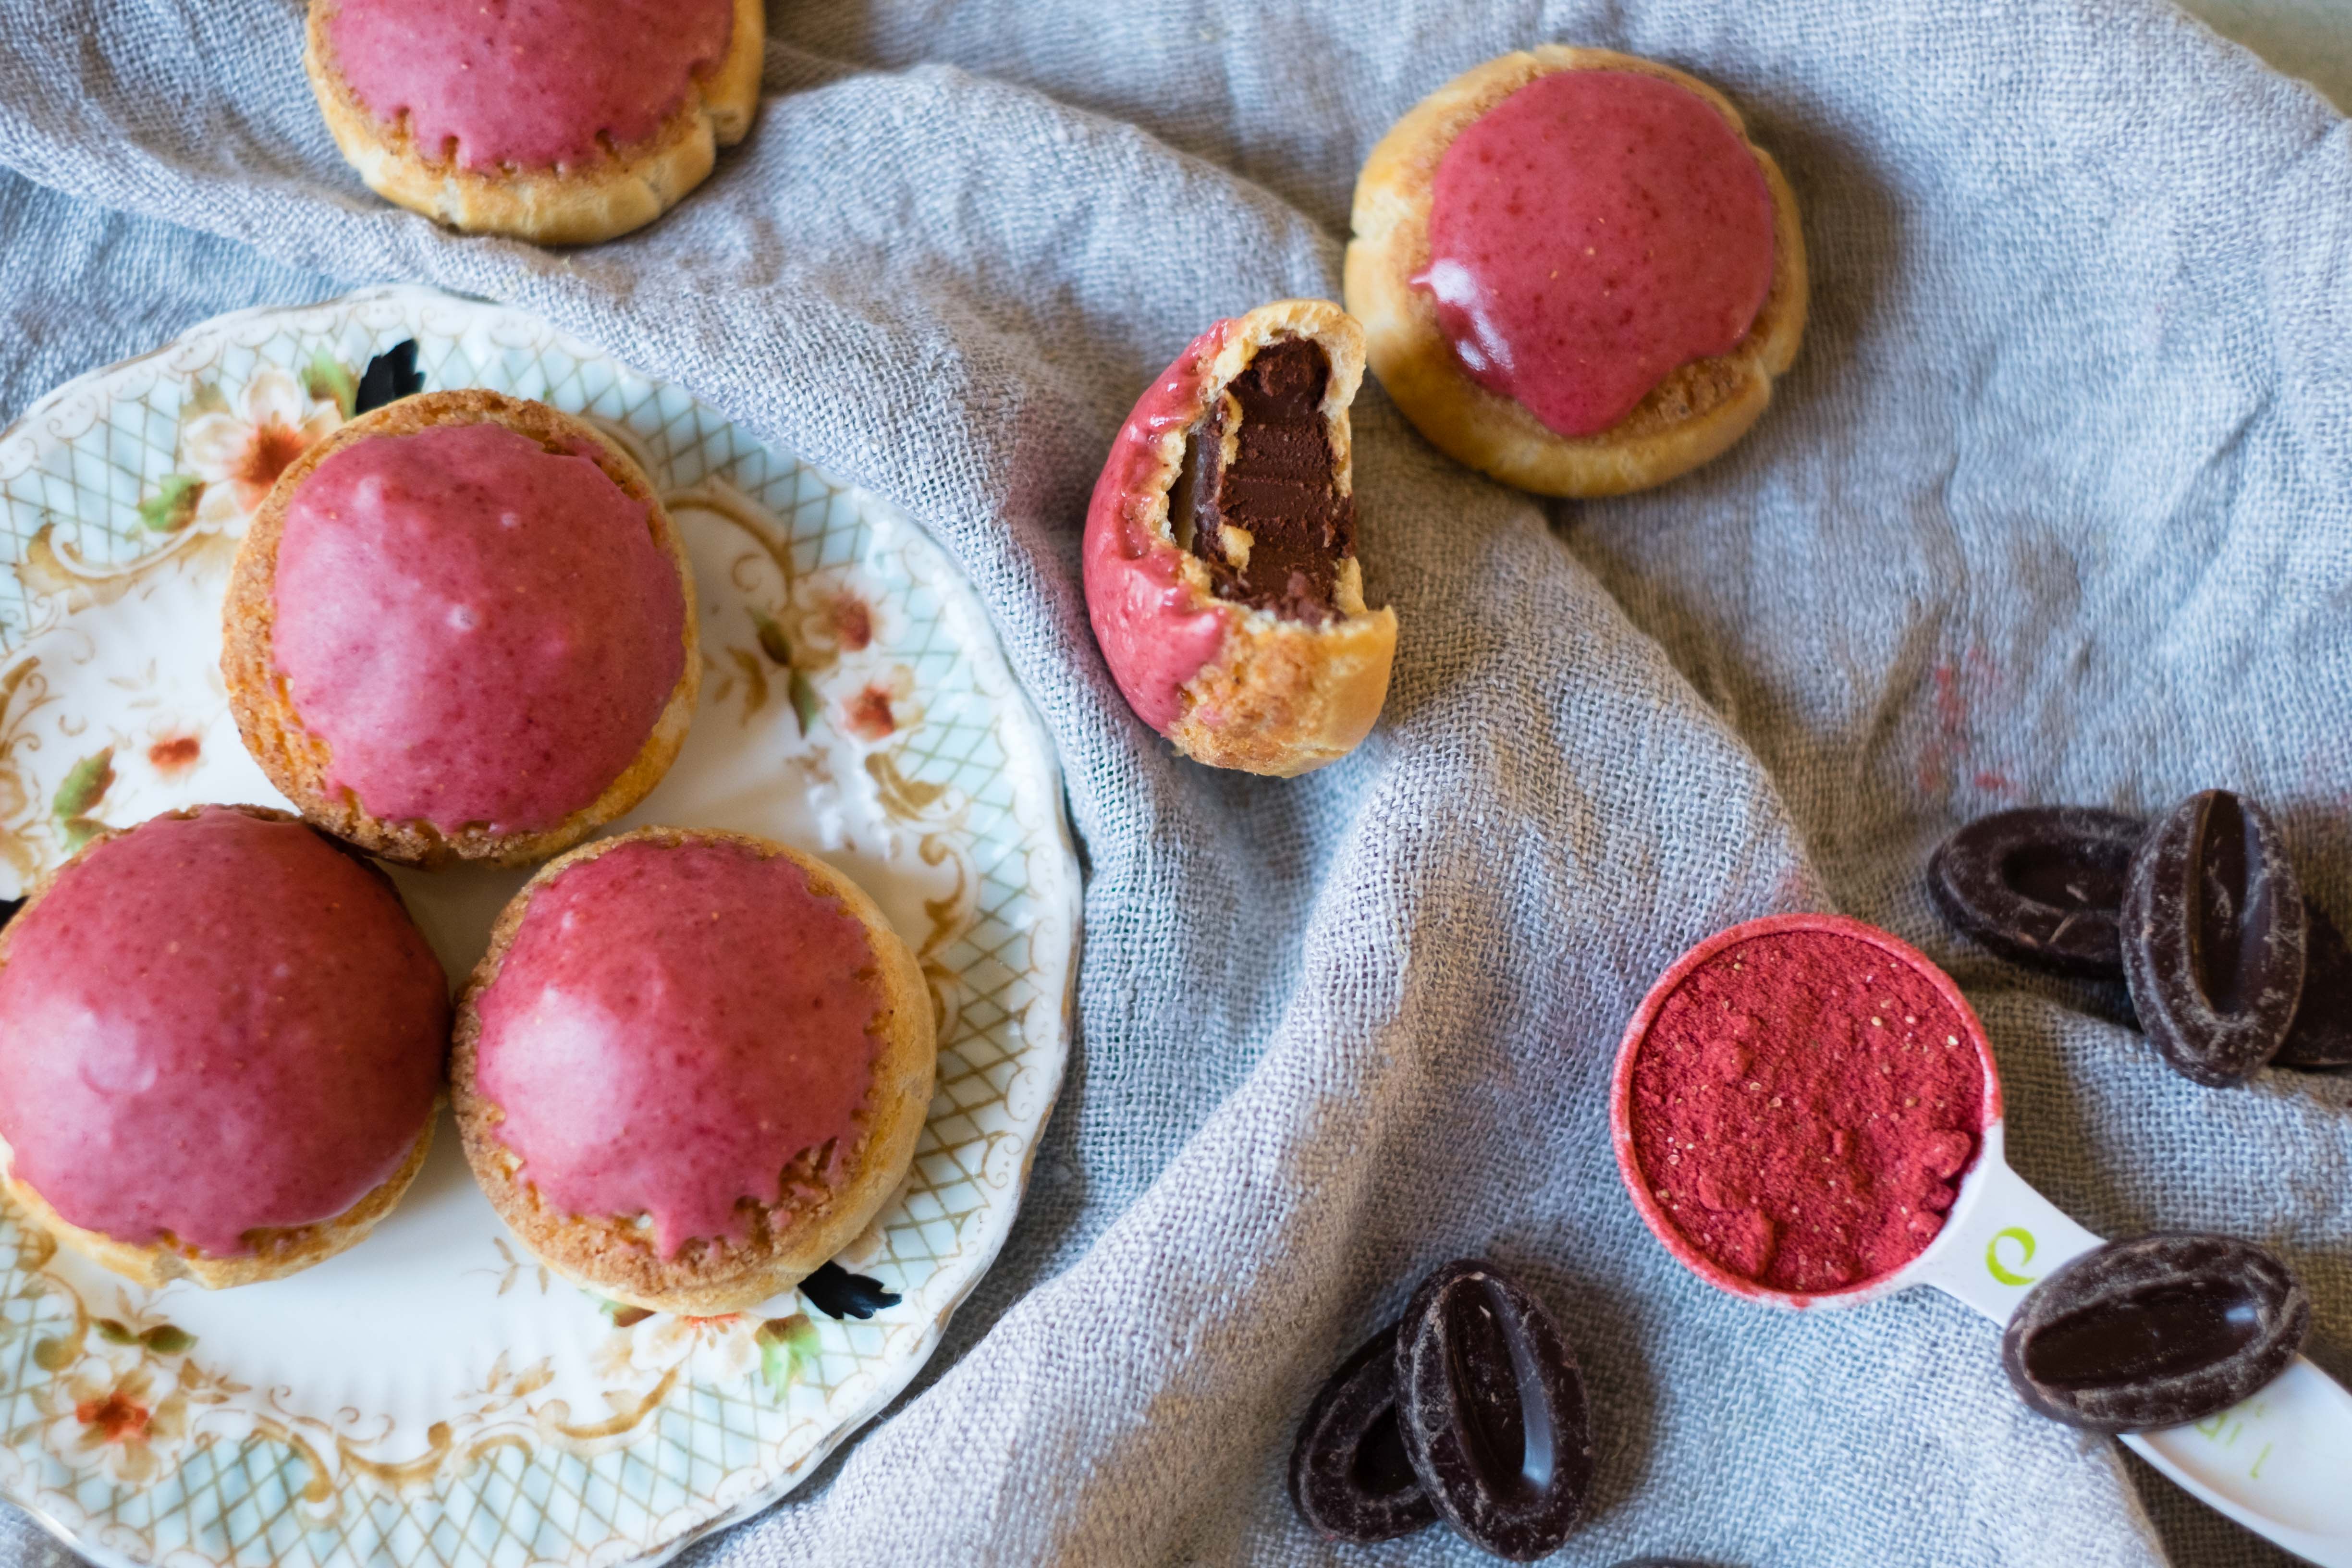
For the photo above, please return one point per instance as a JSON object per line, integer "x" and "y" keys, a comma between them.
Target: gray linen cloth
{"x": 2056, "y": 505}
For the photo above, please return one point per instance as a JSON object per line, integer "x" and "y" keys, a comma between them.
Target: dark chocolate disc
{"x": 2213, "y": 938}
{"x": 2321, "y": 1036}
{"x": 2041, "y": 885}
{"x": 2155, "y": 1332}
{"x": 1492, "y": 1407}
{"x": 1350, "y": 1478}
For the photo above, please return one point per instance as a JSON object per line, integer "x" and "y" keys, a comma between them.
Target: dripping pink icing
{"x": 673, "y": 1026}
{"x": 215, "y": 1025}
{"x": 1589, "y": 234}
{"x": 482, "y": 631}
{"x": 533, "y": 83}
{"x": 1155, "y": 629}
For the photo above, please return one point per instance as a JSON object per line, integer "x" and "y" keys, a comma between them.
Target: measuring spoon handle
{"x": 2280, "y": 1463}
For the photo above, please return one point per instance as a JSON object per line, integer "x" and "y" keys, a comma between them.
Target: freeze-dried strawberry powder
{"x": 1802, "y": 1108}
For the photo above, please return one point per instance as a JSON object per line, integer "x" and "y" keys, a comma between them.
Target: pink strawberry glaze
{"x": 532, "y": 83}
{"x": 671, "y": 1028}
{"x": 215, "y": 1025}
{"x": 1589, "y": 234}
{"x": 1156, "y": 630}
{"x": 482, "y": 630}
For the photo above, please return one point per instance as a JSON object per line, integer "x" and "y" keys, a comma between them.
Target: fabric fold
{"x": 2055, "y": 505}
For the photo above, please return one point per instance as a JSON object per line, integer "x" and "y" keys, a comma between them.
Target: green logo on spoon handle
{"x": 2008, "y": 1275}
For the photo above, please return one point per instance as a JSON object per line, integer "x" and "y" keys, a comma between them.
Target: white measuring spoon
{"x": 2280, "y": 1462}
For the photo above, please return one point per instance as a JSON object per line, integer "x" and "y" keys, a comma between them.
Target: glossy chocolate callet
{"x": 2162, "y": 1331}
{"x": 2155, "y": 1332}
{"x": 2041, "y": 885}
{"x": 2320, "y": 1038}
{"x": 2213, "y": 934}
{"x": 1492, "y": 1407}
{"x": 1280, "y": 488}
{"x": 1350, "y": 1476}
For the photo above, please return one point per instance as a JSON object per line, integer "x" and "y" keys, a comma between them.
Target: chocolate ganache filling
{"x": 1270, "y": 523}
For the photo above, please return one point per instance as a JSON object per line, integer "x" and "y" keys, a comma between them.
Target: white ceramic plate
{"x": 432, "y": 1399}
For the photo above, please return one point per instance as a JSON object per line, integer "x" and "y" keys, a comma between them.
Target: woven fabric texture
{"x": 2056, "y": 505}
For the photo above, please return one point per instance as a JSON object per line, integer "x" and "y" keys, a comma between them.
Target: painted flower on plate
{"x": 720, "y": 1347}
{"x": 881, "y": 705}
{"x": 239, "y": 453}
{"x": 122, "y": 1420}
{"x": 177, "y": 748}
{"x": 836, "y": 614}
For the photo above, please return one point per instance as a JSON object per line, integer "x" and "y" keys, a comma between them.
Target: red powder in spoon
{"x": 1802, "y": 1108}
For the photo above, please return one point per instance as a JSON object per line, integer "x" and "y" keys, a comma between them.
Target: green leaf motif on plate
{"x": 173, "y": 505}
{"x": 806, "y": 705}
{"x": 788, "y": 1349}
{"x": 621, "y": 1315}
{"x": 164, "y": 1339}
{"x": 772, "y": 641}
{"x": 328, "y": 380}
{"x": 79, "y": 796}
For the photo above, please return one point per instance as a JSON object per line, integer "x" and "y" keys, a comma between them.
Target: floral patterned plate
{"x": 433, "y": 1399}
